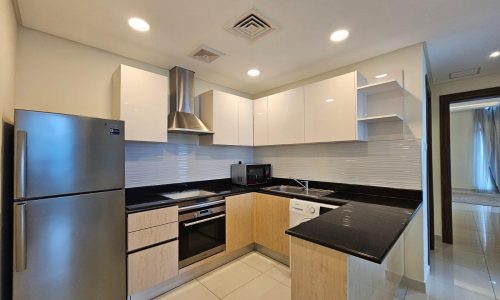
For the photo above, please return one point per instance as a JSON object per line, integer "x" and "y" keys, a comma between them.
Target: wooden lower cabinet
{"x": 153, "y": 235}
{"x": 271, "y": 220}
{"x": 151, "y": 218}
{"x": 151, "y": 266}
{"x": 239, "y": 221}
{"x": 318, "y": 272}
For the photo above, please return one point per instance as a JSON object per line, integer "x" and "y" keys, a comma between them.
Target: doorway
{"x": 484, "y": 158}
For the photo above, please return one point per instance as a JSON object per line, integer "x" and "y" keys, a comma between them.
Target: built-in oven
{"x": 202, "y": 229}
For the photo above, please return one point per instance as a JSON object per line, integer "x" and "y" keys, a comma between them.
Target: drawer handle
{"x": 204, "y": 220}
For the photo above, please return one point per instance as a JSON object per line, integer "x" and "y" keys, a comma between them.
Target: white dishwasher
{"x": 302, "y": 210}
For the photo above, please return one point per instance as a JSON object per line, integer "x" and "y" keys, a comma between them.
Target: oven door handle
{"x": 205, "y": 204}
{"x": 204, "y": 220}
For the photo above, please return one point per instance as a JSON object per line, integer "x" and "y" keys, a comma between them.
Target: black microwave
{"x": 250, "y": 174}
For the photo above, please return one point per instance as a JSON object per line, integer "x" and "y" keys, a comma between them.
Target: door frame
{"x": 430, "y": 177}
{"x": 444, "y": 123}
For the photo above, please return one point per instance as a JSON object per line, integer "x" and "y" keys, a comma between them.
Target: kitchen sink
{"x": 298, "y": 190}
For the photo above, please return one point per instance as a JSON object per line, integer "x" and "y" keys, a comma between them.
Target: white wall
{"x": 382, "y": 163}
{"x": 451, "y": 87}
{"x": 462, "y": 149}
{"x": 59, "y": 75}
{"x": 8, "y": 27}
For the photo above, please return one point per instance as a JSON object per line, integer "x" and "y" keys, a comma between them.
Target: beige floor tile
{"x": 281, "y": 273}
{"x": 228, "y": 278}
{"x": 492, "y": 250}
{"x": 495, "y": 282}
{"x": 471, "y": 260}
{"x": 258, "y": 261}
{"x": 469, "y": 246}
{"x": 464, "y": 218}
{"x": 491, "y": 237}
{"x": 192, "y": 290}
{"x": 280, "y": 292}
{"x": 487, "y": 209}
{"x": 456, "y": 276}
{"x": 440, "y": 291}
{"x": 465, "y": 207}
{"x": 487, "y": 224}
{"x": 465, "y": 232}
{"x": 493, "y": 263}
{"x": 259, "y": 288}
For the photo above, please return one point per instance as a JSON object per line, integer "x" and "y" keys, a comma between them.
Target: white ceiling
{"x": 460, "y": 34}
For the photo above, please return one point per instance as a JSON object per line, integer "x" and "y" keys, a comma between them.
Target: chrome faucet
{"x": 303, "y": 183}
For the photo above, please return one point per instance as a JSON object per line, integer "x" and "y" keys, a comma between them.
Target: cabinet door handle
{"x": 20, "y": 165}
{"x": 20, "y": 236}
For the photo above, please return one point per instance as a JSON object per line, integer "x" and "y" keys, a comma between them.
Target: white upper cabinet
{"x": 260, "y": 122}
{"x": 229, "y": 116}
{"x": 245, "y": 121}
{"x": 286, "y": 117}
{"x": 330, "y": 109}
{"x": 140, "y": 98}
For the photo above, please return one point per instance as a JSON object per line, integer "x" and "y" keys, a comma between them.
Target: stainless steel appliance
{"x": 182, "y": 118}
{"x": 69, "y": 207}
{"x": 202, "y": 229}
{"x": 250, "y": 174}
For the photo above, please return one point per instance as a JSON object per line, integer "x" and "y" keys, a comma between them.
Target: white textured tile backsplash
{"x": 155, "y": 164}
{"x": 380, "y": 163}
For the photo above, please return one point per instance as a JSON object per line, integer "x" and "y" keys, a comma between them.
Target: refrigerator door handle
{"x": 20, "y": 165}
{"x": 20, "y": 236}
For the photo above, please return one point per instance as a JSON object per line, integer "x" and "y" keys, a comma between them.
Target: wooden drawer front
{"x": 151, "y": 266}
{"x": 153, "y": 235}
{"x": 152, "y": 218}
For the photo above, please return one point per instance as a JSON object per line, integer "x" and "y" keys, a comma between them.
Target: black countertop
{"x": 367, "y": 224}
{"x": 363, "y": 229}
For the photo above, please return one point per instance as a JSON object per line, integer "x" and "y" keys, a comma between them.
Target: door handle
{"x": 20, "y": 165}
{"x": 204, "y": 220}
{"x": 20, "y": 236}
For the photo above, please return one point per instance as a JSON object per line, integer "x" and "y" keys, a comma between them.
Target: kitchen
{"x": 370, "y": 143}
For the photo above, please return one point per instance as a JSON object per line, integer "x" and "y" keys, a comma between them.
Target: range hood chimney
{"x": 182, "y": 118}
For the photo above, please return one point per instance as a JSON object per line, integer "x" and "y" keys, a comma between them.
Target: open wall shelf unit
{"x": 380, "y": 106}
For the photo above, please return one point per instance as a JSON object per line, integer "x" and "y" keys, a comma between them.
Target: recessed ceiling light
{"x": 253, "y": 72}
{"x": 138, "y": 24}
{"x": 339, "y": 35}
{"x": 381, "y": 76}
{"x": 329, "y": 100}
{"x": 495, "y": 54}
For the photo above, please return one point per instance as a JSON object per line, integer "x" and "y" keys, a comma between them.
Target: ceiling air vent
{"x": 465, "y": 73}
{"x": 251, "y": 25}
{"x": 206, "y": 54}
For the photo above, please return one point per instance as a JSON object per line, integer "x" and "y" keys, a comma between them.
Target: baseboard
{"x": 413, "y": 284}
{"x": 273, "y": 254}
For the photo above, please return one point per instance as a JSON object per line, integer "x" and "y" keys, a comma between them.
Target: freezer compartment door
{"x": 70, "y": 247}
{"x": 58, "y": 154}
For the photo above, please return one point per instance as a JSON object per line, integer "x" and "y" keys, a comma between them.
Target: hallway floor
{"x": 470, "y": 268}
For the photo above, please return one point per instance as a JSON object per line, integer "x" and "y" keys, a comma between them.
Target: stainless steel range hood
{"x": 182, "y": 118}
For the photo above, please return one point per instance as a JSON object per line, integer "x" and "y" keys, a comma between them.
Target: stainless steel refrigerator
{"x": 69, "y": 207}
